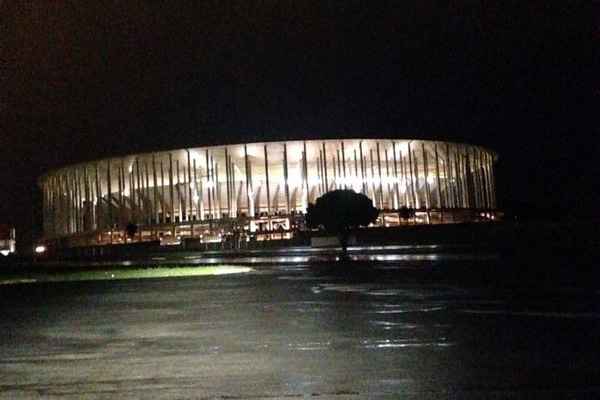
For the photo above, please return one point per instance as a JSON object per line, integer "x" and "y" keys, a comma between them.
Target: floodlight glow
{"x": 5, "y": 252}
{"x": 40, "y": 249}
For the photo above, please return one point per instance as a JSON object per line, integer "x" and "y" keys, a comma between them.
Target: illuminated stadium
{"x": 261, "y": 190}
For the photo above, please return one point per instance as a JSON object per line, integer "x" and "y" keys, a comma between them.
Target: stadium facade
{"x": 262, "y": 189}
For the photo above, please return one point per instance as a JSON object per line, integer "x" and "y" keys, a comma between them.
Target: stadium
{"x": 260, "y": 191}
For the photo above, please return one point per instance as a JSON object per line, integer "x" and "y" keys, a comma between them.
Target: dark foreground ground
{"x": 459, "y": 324}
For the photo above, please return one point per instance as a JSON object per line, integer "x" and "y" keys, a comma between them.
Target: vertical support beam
{"x": 321, "y": 176}
{"x": 162, "y": 193}
{"x": 285, "y": 177}
{"x": 471, "y": 180}
{"x": 484, "y": 179}
{"x": 458, "y": 180}
{"x": 180, "y": 193}
{"x": 267, "y": 179}
{"x": 213, "y": 189}
{"x": 201, "y": 195}
{"x": 155, "y": 220}
{"x": 305, "y": 173}
{"x": 339, "y": 169}
{"x": 448, "y": 175}
{"x": 189, "y": 186}
{"x": 138, "y": 194}
{"x": 132, "y": 200}
{"x": 208, "y": 186}
{"x": 73, "y": 183}
{"x": 478, "y": 181}
{"x": 196, "y": 189}
{"x": 171, "y": 194}
{"x": 464, "y": 167}
{"x": 76, "y": 198}
{"x": 355, "y": 164}
{"x": 72, "y": 201}
{"x": 426, "y": 175}
{"x": 148, "y": 204}
{"x": 121, "y": 190}
{"x": 344, "y": 166}
{"x": 109, "y": 198}
{"x": 217, "y": 188}
{"x": 69, "y": 202}
{"x": 228, "y": 182}
{"x": 149, "y": 210}
{"x": 325, "y": 167}
{"x": 234, "y": 198}
{"x": 390, "y": 202}
{"x": 380, "y": 176}
{"x": 335, "y": 176}
{"x": 98, "y": 200}
{"x": 362, "y": 168}
{"x": 437, "y": 177}
{"x": 249, "y": 188}
{"x": 412, "y": 180}
{"x": 88, "y": 201}
{"x": 373, "y": 187}
{"x": 396, "y": 183}
{"x": 493, "y": 181}
{"x": 404, "y": 171}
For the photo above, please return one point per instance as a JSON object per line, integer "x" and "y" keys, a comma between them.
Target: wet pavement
{"x": 422, "y": 327}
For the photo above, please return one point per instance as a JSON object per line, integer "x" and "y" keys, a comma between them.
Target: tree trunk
{"x": 343, "y": 238}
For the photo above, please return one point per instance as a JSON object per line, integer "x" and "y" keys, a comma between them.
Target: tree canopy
{"x": 339, "y": 211}
{"x": 131, "y": 230}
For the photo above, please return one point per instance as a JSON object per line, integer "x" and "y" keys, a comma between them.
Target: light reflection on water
{"x": 278, "y": 260}
{"x": 294, "y": 328}
{"x": 403, "y": 343}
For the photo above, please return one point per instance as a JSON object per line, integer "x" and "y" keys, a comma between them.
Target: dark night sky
{"x": 80, "y": 83}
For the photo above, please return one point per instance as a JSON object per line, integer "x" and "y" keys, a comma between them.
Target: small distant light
{"x": 5, "y": 252}
{"x": 40, "y": 249}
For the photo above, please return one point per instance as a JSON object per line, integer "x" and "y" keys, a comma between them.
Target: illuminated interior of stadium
{"x": 262, "y": 189}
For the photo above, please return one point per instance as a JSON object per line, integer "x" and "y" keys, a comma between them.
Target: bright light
{"x": 5, "y": 252}
{"x": 294, "y": 181}
{"x": 40, "y": 249}
{"x": 402, "y": 148}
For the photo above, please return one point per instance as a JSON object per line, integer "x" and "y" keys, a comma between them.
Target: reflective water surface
{"x": 433, "y": 326}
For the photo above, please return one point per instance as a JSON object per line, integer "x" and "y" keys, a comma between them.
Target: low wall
{"x": 505, "y": 234}
{"x": 582, "y": 237}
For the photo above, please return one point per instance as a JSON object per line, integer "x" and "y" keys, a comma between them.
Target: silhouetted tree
{"x": 406, "y": 213}
{"x": 339, "y": 211}
{"x": 131, "y": 229}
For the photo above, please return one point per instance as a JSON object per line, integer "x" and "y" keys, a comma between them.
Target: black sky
{"x": 84, "y": 81}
